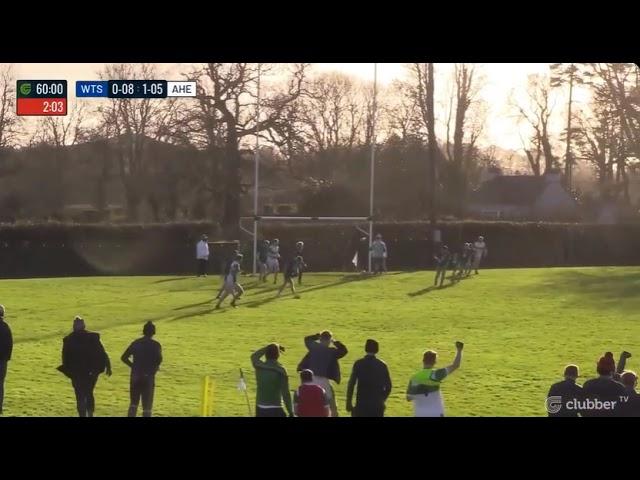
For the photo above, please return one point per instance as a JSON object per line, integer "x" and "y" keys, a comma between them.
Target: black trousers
{"x": 3, "y": 375}
{"x": 141, "y": 388}
{"x": 368, "y": 411}
{"x": 83, "y": 386}
{"x": 270, "y": 412}
{"x": 202, "y": 266}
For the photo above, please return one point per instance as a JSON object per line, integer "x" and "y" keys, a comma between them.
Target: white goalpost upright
{"x": 257, "y": 218}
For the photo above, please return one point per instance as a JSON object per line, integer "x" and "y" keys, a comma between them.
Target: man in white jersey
{"x": 378, "y": 254}
{"x": 273, "y": 262}
{"x": 479, "y": 252}
{"x": 424, "y": 387}
{"x": 231, "y": 285}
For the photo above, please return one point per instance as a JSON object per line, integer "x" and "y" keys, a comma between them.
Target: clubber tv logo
{"x": 553, "y": 404}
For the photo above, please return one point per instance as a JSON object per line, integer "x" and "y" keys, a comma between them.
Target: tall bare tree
{"x": 8, "y": 118}
{"x": 423, "y": 92}
{"x": 537, "y": 113}
{"x": 131, "y": 123}
{"x": 227, "y": 96}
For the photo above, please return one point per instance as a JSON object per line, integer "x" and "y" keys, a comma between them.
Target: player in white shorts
{"x": 273, "y": 259}
{"x": 231, "y": 285}
{"x": 479, "y": 253}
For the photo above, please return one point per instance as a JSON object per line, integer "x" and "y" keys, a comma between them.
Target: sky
{"x": 500, "y": 80}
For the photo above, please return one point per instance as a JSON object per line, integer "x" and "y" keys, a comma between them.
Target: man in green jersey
{"x": 272, "y": 383}
{"x": 424, "y": 387}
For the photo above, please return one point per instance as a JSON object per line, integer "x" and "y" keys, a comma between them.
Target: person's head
{"x": 606, "y": 365}
{"x": 306, "y": 376}
{"x": 204, "y": 237}
{"x": 239, "y": 257}
{"x": 445, "y": 248}
{"x": 429, "y": 358}
{"x": 266, "y": 242}
{"x": 298, "y": 259}
{"x": 149, "y": 329}
{"x": 481, "y": 238}
{"x": 371, "y": 347}
{"x": 276, "y": 241}
{"x": 78, "y": 324}
{"x": 378, "y": 237}
{"x": 571, "y": 372}
{"x": 325, "y": 337}
{"x": 1, "y": 311}
{"x": 629, "y": 379}
{"x": 272, "y": 352}
{"x": 299, "y": 245}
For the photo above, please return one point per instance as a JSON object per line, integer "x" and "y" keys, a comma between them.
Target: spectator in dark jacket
{"x": 565, "y": 395}
{"x": 6, "y": 347}
{"x": 83, "y": 360}
{"x": 603, "y": 393}
{"x": 630, "y": 407}
{"x": 322, "y": 360}
{"x": 147, "y": 357}
{"x": 372, "y": 378}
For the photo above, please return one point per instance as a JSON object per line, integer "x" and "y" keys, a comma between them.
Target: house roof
{"x": 509, "y": 190}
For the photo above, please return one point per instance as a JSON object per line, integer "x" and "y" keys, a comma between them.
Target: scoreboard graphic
{"x": 49, "y": 97}
{"x": 41, "y": 97}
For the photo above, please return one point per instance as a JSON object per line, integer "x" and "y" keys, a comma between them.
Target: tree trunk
{"x": 232, "y": 174}
{"x": 432, "y": 146}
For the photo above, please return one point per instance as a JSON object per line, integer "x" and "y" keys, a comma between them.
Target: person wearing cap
{"x": 479, "y": 252}
{"x": 568, "y": 391}
{"x": 272, "y": 383}
{"x": 202, "y": 256}
{"x": 603, "y": 392}
{"x": 378, "y": 252}
{"x": 6, "y": 348}
{"x": 231, "y": 285}
{"x": 442, "y": 262}
{"x": 424, "y": 386}
{"x": 83, "y": 360}
{"x": 323, "y": 360}
{"x": 147, "y": 357}
{"x": 291, "y": 271}
{"x": 371, "y": 376}
{"x": 310, "y": 400}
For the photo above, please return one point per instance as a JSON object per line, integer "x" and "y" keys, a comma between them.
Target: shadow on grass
{"x": 607, "y": 287}
{"x": 263, "y": 301}
{"x": 432, "y": 288}
{"x": 173, "y": 279}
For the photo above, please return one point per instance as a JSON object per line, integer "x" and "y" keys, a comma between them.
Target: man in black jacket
{"x": 6, "y": 347}
{"x": 322, "y": 360}
{"x": 630, "y": 407}
{"x": 603, "y": 394}
{"x": 83, "y": 360}
{"x": 147, "y": 357}
{"x": 563, "y": 397}
{"x": 371, "y": 375}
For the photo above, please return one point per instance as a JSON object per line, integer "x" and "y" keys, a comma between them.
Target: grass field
{"x": 520, "y": 328}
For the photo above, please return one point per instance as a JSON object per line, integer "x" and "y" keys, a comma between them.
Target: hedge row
{"x": 66, "y": 250}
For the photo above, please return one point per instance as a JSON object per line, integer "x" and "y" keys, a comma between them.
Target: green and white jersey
{"x": 424, "y": 391}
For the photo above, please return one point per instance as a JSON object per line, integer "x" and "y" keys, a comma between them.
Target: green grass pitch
{"x": 520, "y": 328}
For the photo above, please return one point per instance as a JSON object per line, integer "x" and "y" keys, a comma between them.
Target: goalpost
{"x": 257, "y": 218}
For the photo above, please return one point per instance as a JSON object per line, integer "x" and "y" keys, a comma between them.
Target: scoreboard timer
{"x": 41, "y": 97}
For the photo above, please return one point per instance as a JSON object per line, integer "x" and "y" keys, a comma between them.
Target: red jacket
{"x": 310, "y": 400}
